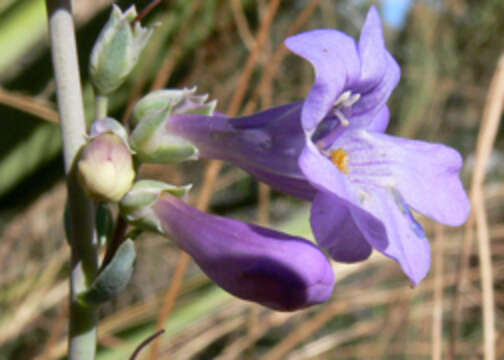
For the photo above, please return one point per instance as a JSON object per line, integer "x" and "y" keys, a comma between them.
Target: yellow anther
{"x": 340, "y": 158}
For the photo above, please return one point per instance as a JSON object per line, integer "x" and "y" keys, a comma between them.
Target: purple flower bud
{"x": 106, "y": 168}
{"x": 279, "y": 271}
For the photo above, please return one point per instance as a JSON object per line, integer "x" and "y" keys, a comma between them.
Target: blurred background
{"x": 232, "y": 49}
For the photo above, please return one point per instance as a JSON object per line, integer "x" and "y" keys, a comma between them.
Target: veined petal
{"x": 407, "y": 243}
{"x": 335, "y": 58}
{"x": 274, "y": 269}
{"x": 426, "y": 174}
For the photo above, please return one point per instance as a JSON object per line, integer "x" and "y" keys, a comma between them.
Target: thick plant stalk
{"x": 83, "y": 319}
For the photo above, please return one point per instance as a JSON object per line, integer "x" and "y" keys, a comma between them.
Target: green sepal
{"x": 153, "y": 143}
{"x": 114, "y": 277}
{"x": 136, "y": 205}
{"x": 175, "y": 101}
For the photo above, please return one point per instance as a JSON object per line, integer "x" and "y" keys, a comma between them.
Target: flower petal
{"x": 335, "y": 229}
{"x": 322, "y": 173}
{"x": 274, "y": 269}
{"x": 334, "y": 56}
{"x": 407, "y": 243}
{"x": 270, "y": 140}
{"x": 372, "y": 51}
{"x": 380, "y": 121}
{"x": 298, "y": 187}
{"x": 426, "y": 174}
{"x": 372, "y": 100}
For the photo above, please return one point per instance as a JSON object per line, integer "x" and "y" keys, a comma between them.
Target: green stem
{"x": 101, "y": 107}
{"x": 84, "y": 259}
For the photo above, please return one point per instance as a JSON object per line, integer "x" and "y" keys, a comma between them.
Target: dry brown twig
{"x": 486, "y": 139}
{"x": 437, "y": 309}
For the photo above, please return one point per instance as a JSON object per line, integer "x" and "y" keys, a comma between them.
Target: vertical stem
{"x": 82, "y": 337}
{"x": 101, "y": 107}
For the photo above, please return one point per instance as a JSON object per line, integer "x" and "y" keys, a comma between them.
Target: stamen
{"x": 343, "y": 98}
{"x": 352, "y": 100}
{"x": 346, "y": 100}
{"x": 342, "y": 118}
{"x": 340, "y": 158}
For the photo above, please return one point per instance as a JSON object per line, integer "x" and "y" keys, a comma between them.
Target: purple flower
{"x": 279, "y": 271}
{"x": 330, "y": 149}
{"x": 368, "y": 182}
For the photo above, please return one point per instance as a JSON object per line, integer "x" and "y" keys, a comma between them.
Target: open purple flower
{"x": 274, "y": 269}
{"x": 368, "y": 182}
{"x": 330, "y": 149}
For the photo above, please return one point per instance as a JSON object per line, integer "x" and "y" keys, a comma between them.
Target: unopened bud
{"x": 117, "y": 49}
{"x": 106, "y": 167}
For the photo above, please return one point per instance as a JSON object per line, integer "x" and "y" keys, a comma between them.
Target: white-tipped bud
{"x": 117, "y": 50}
{"x": 106, "y": 168}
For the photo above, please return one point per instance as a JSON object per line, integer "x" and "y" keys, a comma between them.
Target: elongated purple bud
{"x": 274, "y": 269}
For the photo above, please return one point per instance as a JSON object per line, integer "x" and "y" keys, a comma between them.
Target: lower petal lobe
{"x": 335, "y": 229}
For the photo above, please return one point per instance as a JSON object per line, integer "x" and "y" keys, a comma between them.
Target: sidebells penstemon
{"x": 331, "y": 149}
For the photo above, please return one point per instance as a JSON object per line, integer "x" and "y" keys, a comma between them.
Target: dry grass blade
{"x": 169, "y": 299}
{"x": 486, "y": 139}
{"x": 264, "y": 204}
{"x": 176, "y": 50}
{"x": 30, "y": 105}
{"x": 437, "y": 310}
{"x": 253, "y": 57}
{"x": 241, "y": 24}
{"x": 278, "y": 56}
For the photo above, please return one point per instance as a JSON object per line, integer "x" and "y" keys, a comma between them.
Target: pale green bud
{"x": 105, "y": 167}
{"x": 117, "y": 49}
{"x": 151, "y": 139}
{"x": 136, "y": 205}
